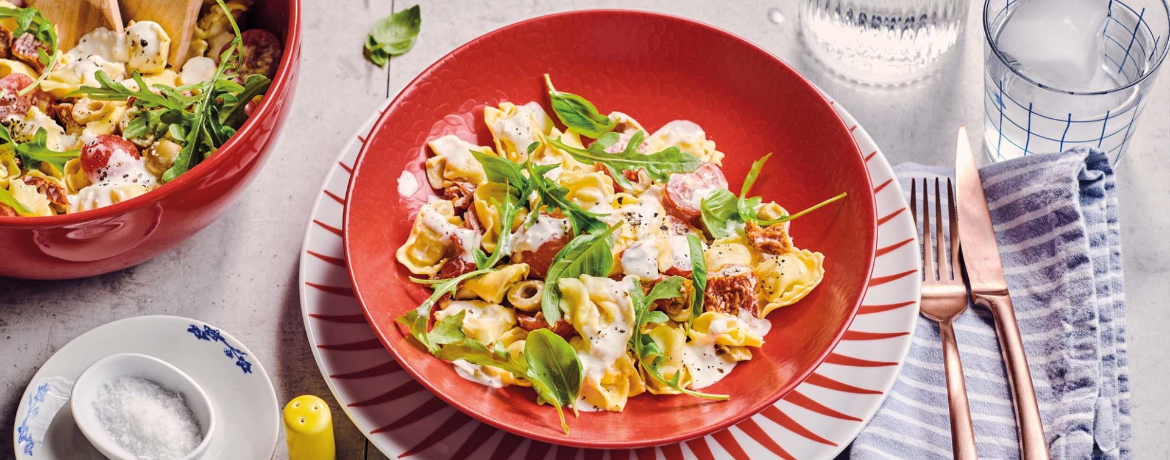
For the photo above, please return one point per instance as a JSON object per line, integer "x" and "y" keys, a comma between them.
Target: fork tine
{"x": 914, "y": 201}
{"x": 927, "y": 245}
{"x": 955, "y": 266}
{"x": 944, "y": 271}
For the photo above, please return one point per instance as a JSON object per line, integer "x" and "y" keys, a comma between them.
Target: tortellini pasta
{"x": 789, "y": 277}
{"x": 453, "y": 162}
{"x": 493, "y": 286}
{"x": 482, "y": 321}
{"x": 28, "y": 195}
{"x": 672, "y": 340}
{"x": 97, "y": 196}
{"x": 688, "y": 137}
{"x": 728, "y": 251}
{"x": 610, "y": 389}
{"x": 588, "y": 189}
{"x": 430, "y": 237}
{"x": 724, "y": 329}
{"x": 515, "y": 127}
{"x": 489, "y": 213}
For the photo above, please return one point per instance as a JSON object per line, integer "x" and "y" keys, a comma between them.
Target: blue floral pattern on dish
{"x": 211, "y": 334}
{"x": 23, "y": 436}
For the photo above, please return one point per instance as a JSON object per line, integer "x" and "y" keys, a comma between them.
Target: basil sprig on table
{"x": 721, "y": 207}
{"x": 202, "y": 122}
{"x": 658, "y": 165}
{"x": 393, "y": 35}
{"x": 587, "y": 254}
{"x": 577, "y": 113}
{"x": 698, "y": 275}
{"x": 32, "y": 21}
{"x": 650, "y": 355}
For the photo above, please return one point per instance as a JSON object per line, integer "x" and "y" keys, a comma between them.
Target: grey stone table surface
{"x": 240, "y": 273}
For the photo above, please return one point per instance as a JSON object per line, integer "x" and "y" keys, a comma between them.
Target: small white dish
{"x": 91, "y": 383}
{"x": 248, "y": 421}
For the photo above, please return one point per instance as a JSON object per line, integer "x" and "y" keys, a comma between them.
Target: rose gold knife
{"x": 989, "y": 289}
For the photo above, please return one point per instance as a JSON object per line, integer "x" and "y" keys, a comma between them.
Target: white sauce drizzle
{"x": 407, "y": 184}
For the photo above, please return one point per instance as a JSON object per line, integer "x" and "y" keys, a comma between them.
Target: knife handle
{"x": 1033, "y": 445}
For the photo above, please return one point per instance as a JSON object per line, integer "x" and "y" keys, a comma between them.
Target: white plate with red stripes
{"x": 815, "y": 421}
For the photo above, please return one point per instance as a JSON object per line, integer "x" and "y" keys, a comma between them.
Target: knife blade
{"x": 980, "y": 251}
{"x": 989, "y": 289}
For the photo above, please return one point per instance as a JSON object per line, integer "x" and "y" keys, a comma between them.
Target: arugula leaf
{"x": 753, "y": 174}
{"x": 801, "y": 213}
{"x": 659, "y": 165}
{"x": 508, "y": 210}
{"x": 235, "y": 103}
{"x": 587, "y": 254}
{"x": 717, "y": 209}
{"x": 448, "y": 330}
{"x": 577, "y": 113}
{"x": 650, "y": 355}
{"x": 416, "y": 320}
{"x": 698, "y": 275}
{"x": 555, "y": 197}
{"x": 6, "y": 198}
{"x": 393, "y": 35}
{"x": 38, "y": 150}
{"x": 475, "y": 352}
{"x": 110, "y": 90}
{"x": 554, "y": 370}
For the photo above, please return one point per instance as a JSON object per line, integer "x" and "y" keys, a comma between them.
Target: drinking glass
{"x": 1065, "y": 72}
{"x": 881, "y": 42}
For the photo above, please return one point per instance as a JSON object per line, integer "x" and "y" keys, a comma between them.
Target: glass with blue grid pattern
{"x": 1061, "y": 73}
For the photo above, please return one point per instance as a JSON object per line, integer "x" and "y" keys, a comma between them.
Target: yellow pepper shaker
{"x": 308, "y": 428}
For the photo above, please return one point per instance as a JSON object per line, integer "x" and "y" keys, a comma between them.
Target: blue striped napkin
{"x": 1056, "y": 223}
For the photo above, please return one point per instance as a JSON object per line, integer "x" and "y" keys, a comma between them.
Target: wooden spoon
{"x": 75, "y": 18}
{"x": 177, "y": 18}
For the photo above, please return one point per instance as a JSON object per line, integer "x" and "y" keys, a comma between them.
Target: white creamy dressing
{"x": 680, "y": 250}
{"x": 546, "y": 228}
{"x": 607, "y": 342}
{"x": 196, "y": 70}
{"x": 538, "y": 115}
{"x": 680, "y": 132}
{"x": 641, "y": 260}
{"x": 103, "y": 42}
{"x": 407, "y": 184}
{"x": 475, "y": 373}
{"x": 517, "y": 129}
{"x": 123, "y": 169}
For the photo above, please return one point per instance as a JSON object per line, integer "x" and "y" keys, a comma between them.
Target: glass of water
{"x": 1060, "y": 73}
{"x": 881, "y": 42}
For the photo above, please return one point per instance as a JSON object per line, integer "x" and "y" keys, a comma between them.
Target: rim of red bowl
{"x": 570, "y": 441}
{"x": 283, "y": 76}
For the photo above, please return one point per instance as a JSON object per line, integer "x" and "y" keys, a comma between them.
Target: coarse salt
{"x": 146, "y": 419}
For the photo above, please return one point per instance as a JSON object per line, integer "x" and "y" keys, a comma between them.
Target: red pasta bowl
{"x": 131, "y": 232}
{"x": 656, "y": 68}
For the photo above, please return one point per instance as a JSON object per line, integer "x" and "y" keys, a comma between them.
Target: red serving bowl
{"x": 129, "y": 233}
{"x": 656, "y": 68}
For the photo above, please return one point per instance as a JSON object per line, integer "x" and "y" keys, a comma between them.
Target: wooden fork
{"x": 944, "y": 298}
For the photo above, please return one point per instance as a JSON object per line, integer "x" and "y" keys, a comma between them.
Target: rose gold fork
{"x": 944, "y": 298}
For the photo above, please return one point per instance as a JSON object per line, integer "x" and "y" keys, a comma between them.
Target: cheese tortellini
{"x": 453, "y": 162}
{"x": 789, "y": 277}
{"x": 434, "y": 233}
{"x": 482, "y": 321}
{"x": 515, "y": 127}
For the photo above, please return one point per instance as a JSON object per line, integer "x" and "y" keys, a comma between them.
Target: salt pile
{"x": 147, "y": 420}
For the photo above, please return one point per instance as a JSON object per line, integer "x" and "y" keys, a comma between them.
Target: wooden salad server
{"x": 177, "y": 18}
{"x": 75, "y": 18}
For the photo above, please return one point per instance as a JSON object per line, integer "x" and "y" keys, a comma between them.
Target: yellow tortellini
{"x": 482, "y": 321}
{"x": 453, "y": 162}
{"x": 512, "y": 341}
{"x": 9, "y": 67}
{"x": 489, "y": 214}
{"x": 552, "y": 155}
{"x": 610, "y": 389}
{"x": 28, "y": 195}
{"x": 688, "y": 137}
{"x": 97, "y": 196}
{"x": 493, "y": 286}
{"x": 728, "y": 251}
{"x": 789, "y": 277}
{"x": 75, "y": 178}
{"x": 515, "y": 127}
{"x": 9, "y": 169}
{"x": 592, "y": 303}
{"x": 587, "y": 189}
{"x": 724, "y": 329}
{"x": 672, "y": 340}
{"x": 424, "y": 251}
{"x": 24, "y": 130}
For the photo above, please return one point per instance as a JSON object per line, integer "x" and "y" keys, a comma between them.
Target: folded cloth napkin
{"x": 1055, "y": 219}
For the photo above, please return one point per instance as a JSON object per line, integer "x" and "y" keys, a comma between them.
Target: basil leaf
{"x": 698, "y": 275}
{"x": 37, "y": 150}
{"x": 474, "y": 352}
{"x": 659, "y": 165}
{"x": 717, "y": 209}
{"x": 801, "y": 213}
{"x": 587, "y": 254}
{"x": 7, "y": 199}
{"x": 577, "y": 113}
{"x": 393, "y": 35}
{"x": 500, "y": 170}
{"x": 554, "y": 370}
{"x": 649, "y": 353}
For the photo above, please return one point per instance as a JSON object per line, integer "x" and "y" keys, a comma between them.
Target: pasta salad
{"x": 112, "y": 119}
{"x": 596, "y": 263}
